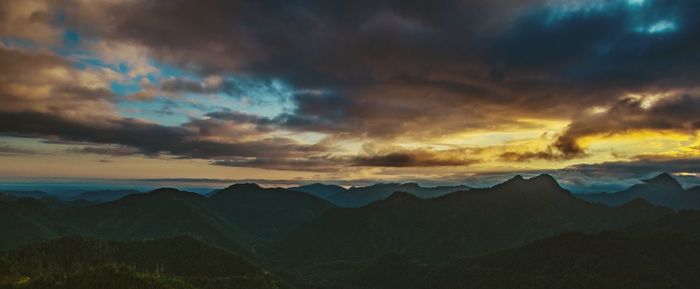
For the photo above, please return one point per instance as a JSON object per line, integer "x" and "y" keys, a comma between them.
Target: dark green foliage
{"x": 235, "y": 218}
{"x": 106, "y": 277}
{"x": 180, "y": 262}
{"x": 23, "y": 221}
{"x": 685, "y": 224}
{"x": 389, "y": 271}
{"x": 577, "y": 261}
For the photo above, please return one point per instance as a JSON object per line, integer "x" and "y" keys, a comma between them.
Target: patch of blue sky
{"x": 124, "y": 89}
{"x": 161, "y": 110}
{"x": 70, "y": 38}
{"x": 166, "y": 71}
{"x": 261, "y": 97}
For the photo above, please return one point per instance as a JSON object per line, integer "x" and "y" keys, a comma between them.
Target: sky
{"x": 440, "y": 92}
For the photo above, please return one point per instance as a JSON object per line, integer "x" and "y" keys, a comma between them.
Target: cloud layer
{"x": 335, "y": 87}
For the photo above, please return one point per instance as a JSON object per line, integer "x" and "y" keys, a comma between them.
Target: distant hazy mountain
{"x": 465, "y": 223}
{"x": 26, "y": 194}
{"x": 85, "y": 263}
{"x": 105, "y": 195}
{"x": 360, "y": 196}
{"x": 269, "y": 213}
{"x": 323, "y": 191}
{"x": 662, "y": 190}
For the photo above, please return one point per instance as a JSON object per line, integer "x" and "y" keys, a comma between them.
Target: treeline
{"x": 180, "y": 262}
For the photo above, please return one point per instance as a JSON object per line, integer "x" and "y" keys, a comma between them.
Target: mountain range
{"x": 459, "y": 224}
{"x": 523, "y": 233}
{"x": 662, "y": 190}
{"x": 360, "y": 196}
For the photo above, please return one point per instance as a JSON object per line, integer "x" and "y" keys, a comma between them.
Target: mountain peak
{"x": 239, "y": 188}
{"x": 242, "y": 186}
{"x": 516, "y": 178}
{"x": 409, "y": 185}
{"x": 638, "y": 203}
{"x": 162, "y": 193}
{"x": 545, "y": 179}
{"x": 165, "y": 191}
{"x": 317, "y": 185}
{"x": 401, "y": 197}
{"x": 664, "y": 179}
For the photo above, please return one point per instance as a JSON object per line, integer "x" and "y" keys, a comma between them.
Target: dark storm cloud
{"x": 186, "y": 85}
{"x": 375, "y": 69}
{"x": 600, "y": 52}
{"x": 676, "y": 113}
{"x": 314, "y": 163}
{"x": 548, "y": 154}
{"x": 361, "y": 53}
{"x": 639, "y": 167}
{"x": 410, "y": 159}
{"x": 148, "y": 138}
{"x": 381, "y": 68}
{"x": 13, "y": 151}
{"x": 109, "y": 150}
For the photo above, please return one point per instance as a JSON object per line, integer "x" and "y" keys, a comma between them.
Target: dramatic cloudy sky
{"x": 349, "y": 90}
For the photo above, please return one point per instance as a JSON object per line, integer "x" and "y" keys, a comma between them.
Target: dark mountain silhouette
{"x": 608, "y": 260}
{"x": 267, "y": 212}
{"x": 105, "y": 195}
{"x": 684, "y": 223}
{"x": 158, "y": 214}
{"x": 388, "y": 271}
{"x": 23, "y": 221}
{"x": 361, "y": 196}
{"x": 466, "y": 223}
{"x": 323, "y": 191}
{"x": 662, "y": 190}
{"x": 26, "y": 194}
{"x": 478, "y": 238}
{"x": 239, "y": 218}
{"x": 178, "y": 262}
{"x": 694, "y": 190}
